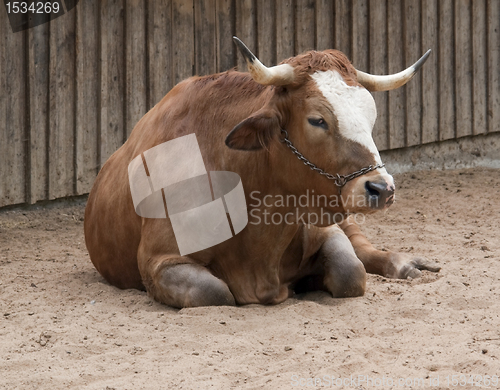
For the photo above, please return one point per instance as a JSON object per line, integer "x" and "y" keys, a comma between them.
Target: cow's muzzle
{"x": 380, "y": 194}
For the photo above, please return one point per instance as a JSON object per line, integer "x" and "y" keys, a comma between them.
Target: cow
{"x": 298, "y": 128}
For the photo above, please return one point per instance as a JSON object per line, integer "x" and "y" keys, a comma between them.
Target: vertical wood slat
{"x": 325, "y": 25}
{"x": 463, "y": 66}
{"x": 493, "y": 16}
{"x": 13, "y": 118}
{"x": 87, "y": 107}
{"x": 304, "y": 25}
{"x": 446, "y": 71}
{"x": 266, "y": 32}
{"x": 226, "y": 49}
{"x": 160, "y": 50}
{"x": 412, "y": 50}
{"x": 378, "y": 65}
{"x": 245, "y": 29}
{"x": 343, "y": 26}
{"x": 62, "y": 107}
{"x": 182, "y": 40}
{"x": 112, "y": 78}
{"x": 285, "y": 28}
{"x": 205, "y": 37}
{"x": 135, "y": 63}
{"x": 360, "y": 44}
{"x": 430, "y": 81}
{"x": 479, "y": 70}
{"x": 38, "y": 111}
{"x": 397, "y": 97}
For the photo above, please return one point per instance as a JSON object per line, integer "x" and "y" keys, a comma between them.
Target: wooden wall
{"x": 72, "y": 90}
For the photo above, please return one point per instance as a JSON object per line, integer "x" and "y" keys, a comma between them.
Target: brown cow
{"x": 313, "y": 106}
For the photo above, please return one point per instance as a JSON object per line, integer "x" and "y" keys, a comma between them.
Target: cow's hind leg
{"x": 345, "y": 275}
{"x": 179, "y": 284}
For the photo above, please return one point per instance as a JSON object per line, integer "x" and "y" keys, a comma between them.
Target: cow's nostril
{"x": 379, "y": 194}
{"x": 372, "y": 189}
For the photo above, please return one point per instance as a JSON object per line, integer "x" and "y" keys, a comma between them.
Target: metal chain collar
{"x": 340, "y": 180}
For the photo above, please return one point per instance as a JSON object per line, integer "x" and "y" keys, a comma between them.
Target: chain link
{"x": 340, "y": 180}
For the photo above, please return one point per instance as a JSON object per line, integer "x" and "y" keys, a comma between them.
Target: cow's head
{"x": 323, "y": 106}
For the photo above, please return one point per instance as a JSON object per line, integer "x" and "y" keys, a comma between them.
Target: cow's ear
{"x": 255, "y": 132}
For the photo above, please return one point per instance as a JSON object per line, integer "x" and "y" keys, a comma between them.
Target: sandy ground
{"x": 63, "y": 327}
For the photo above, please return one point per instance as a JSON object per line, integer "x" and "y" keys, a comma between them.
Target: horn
{"x": 277, "y": 75}
{"x": 386, "y": 83}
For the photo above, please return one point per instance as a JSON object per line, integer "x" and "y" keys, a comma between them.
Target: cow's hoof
{"x": 189, "y": 285}
{"x": 404, "y": 266}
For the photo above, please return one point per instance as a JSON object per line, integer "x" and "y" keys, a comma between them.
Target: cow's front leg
{"x": 388, "y": 264}
{"x": 178, "y": 282}
{"x": 345, "y": 275}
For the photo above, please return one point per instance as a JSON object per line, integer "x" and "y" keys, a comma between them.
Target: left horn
{"x": 277, "y": 75}
{"x": 386, "y": 83}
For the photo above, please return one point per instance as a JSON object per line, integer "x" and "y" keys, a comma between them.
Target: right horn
{"x": 386, "y": 83}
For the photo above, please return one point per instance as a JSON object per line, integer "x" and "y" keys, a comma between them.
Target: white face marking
{"x": 355, "y": 110}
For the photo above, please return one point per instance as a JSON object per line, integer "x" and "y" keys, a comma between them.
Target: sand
{"x": 63, "y": 327}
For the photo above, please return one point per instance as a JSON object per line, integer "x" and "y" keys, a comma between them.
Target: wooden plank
{"x": 325, "y": 25}
{"x": 493, "y": 66}
{"x": 479, "y": 67}
{"x": 87, "y": 87}
{"x": 463, "y": 65}
{"x": 62, "y": 107}
{"x": 412, "y": 52}
{"x": 245, "y": 30}
{"x": 38, "y": 110}
{"x": 205, "y": 37}
{"x": 397, "y": 97}
{"x": 343, "y": 26}
{"x": 360, "y": 41}
{"x": 446, "y": 69}
{"x": 112, "y": 78}
{"x": 13, "y": 117}
{"x": 182, "y": 39}
{"x": 285, "y": 28}
{"x": 135, "y": 63}
{"x": 226, "y": 49}
{"x": 160, "y": 53}
{"x": 378, "y": 65}
{"x": 430, "y": 81}
{"x": 266, "y": 32}
{"x": 304, "y": 25}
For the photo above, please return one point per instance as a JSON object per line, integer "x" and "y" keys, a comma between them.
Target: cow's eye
{"x": 318, "y": 123}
